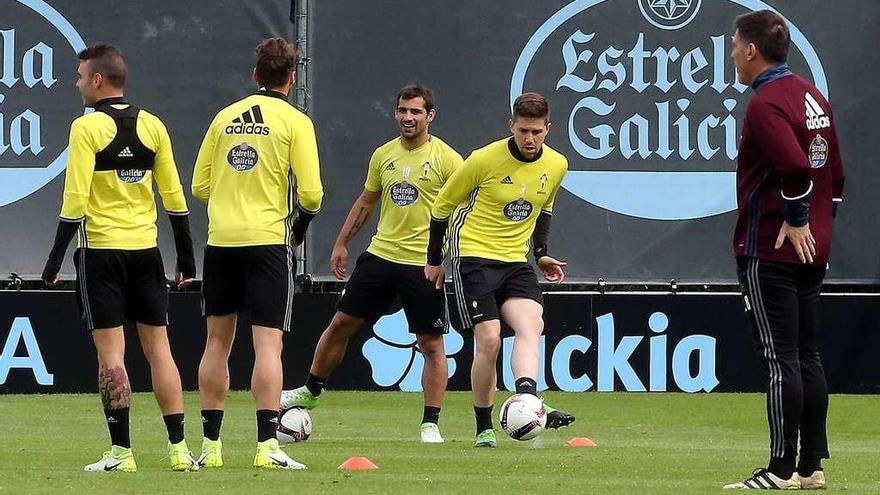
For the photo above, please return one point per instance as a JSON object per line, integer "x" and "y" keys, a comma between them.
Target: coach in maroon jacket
{"x": 789, "y": 180}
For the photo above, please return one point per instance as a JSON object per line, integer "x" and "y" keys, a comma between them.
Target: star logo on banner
{"x": 669, "y": 9}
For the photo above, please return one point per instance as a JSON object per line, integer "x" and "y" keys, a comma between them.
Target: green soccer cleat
{"x": 430, "y": 433}
{"x": 212, "y": 454}
{"x": 270, "y": 456}
{"x": 557, "y": 419}
{"x": 181, "y": 458}
{"x": 486, "y": 438}
{"x": 116, "y": 459}
{"x": 298, "y": 397}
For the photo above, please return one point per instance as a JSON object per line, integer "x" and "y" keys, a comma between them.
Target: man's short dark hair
{"x": 767, "y": 30}
{"x": 108, "y": 61}
{"x": 531, "y": 105}
{"x": 276, "y": 58}
{"x": 417, "y": 91}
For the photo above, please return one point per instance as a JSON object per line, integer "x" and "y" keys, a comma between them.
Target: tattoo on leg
{"x": 114, "y": 388}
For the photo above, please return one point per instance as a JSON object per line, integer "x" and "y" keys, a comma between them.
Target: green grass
{"x": 647, "y": 443}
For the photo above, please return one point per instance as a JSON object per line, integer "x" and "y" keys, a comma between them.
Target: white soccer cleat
{"x": 763, "y": 479}
{"x": 815, "y": 481}
{"x": 270, "y": 456}
{"x": 298, "y": 397}
{"x": 116, "y": 459}
{"x": 431, "y": 433}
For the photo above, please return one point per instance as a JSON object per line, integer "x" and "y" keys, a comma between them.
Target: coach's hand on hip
{"x": 801, "y": 238}
{"x": 552, "y": 269}
{"x": 435, "y": 275}
{"x": 339, "y": 261}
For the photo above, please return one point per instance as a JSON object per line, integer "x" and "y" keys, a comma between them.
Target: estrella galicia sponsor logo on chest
{"x": 518, "y": 210}
{"x": 818, "y": 151}
{"x": 131, "y": 175}
{"x": 249, "y": 122}
{"x": 242, "y": 157}
{"x": 403, "y": 193}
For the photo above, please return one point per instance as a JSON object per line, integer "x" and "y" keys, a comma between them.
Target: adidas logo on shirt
{"x": 816, "y": 118}
{"x": 125, "y": 153}
{"x": 507, "y": 180}
{"x": 390, "y": 166}
{"x": 250, "y": 122}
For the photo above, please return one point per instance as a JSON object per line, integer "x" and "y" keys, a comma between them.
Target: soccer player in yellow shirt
{"x": 258, "y": 170}
{"x": 116, "y": 154}
{"x": 404, "y": 177}
{"x": 498, "y": 201}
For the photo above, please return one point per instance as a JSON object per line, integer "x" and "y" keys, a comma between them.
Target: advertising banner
{"x": 636, "y": 343}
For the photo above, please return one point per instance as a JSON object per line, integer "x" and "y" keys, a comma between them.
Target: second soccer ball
{"x": 294, "y": 425}
{"x": 523, "y": 416}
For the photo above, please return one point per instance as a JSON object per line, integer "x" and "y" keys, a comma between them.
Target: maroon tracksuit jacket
{"x": 788, "y": 147}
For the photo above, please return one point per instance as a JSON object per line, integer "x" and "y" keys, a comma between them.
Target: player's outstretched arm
{"x": 357, "y": 217}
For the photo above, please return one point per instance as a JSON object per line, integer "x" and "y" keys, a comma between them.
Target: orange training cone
{"x": 358, "y": 464}
{"x": 581, "y": 442}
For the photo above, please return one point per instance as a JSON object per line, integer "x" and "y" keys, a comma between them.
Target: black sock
{"x": 174, "y": 425}
{"x": 117, "y": 423}
{"x": 806, "y": 467}
{"x": 212, "y": 419}
{"x": 484, "y": 418}
{"x": 315, "y": 384}
{"x": 782, "y": 467}
{"x": 431, "y": 415}
{"x": 526, "y": 385}
{"x": 267, "y": 423}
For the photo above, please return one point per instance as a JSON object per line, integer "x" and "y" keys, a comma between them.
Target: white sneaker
{"x": 431, "y": 433}
{"x": 762, "y": 479}
{"x": 815, "y": 481}
{"x": 270, "y": 456}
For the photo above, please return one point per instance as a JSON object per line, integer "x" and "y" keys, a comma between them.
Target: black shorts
{"x": 482, "y": 286}
{"x": 254, "y": 278}
{"x": 115, "y": 285}
{"x": 376, "y": 283}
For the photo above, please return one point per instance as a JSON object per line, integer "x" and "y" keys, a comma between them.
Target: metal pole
{"x": 302, "y": 91}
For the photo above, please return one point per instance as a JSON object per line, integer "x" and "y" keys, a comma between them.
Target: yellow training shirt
{"x": 496, "y": 199}
{"x": 118, "y": 205}
{"x": 409, "y": 181}
{"x": 255, "y": 154}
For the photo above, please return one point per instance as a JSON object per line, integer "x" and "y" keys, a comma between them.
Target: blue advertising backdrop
{"x": 592, "y": 342}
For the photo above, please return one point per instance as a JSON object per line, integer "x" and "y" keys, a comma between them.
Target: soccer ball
{"x": 294, "y": 425}
{"x": 523, "y": 416}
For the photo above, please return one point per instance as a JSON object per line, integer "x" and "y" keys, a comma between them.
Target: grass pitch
{"x": 647, "y": 443}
